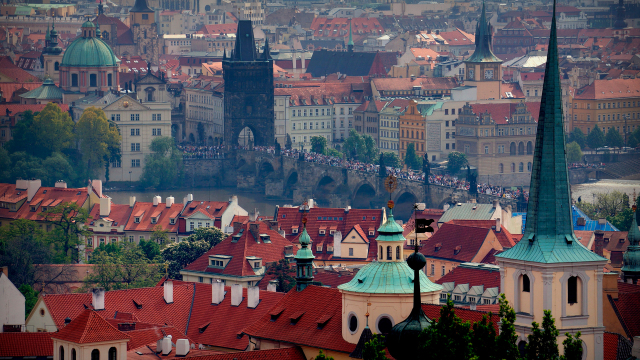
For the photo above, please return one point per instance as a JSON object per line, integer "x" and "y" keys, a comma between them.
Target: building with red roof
{"x": 243, "y": 257}
{"x": 471, "y": 284}
{"x": 147, "y": 217}
{"x": 18, "y": 345}
{"x": 327, "y": 29}
{"x": 412, "y": 87}
{"x": 455, "y": 244}
{"x": 334, "y": 231}
{"x": 106, "y": 222}
{"x": 9, "y": 72}
{"x": 198, "y": 214}
{"x": 11, "y": 114}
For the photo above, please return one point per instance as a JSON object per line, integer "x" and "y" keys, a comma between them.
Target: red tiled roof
{"x": 490, "y": 277}
{"x": 146, "y": 210}
{"x": 610, "y": 89}
{"x": 119, "y": 213}
{"x": 393, "y": 84}
{"x": 291, "y": 353}
{"x": 318, "y": 302}
{"x": 500, "y": 111}
{"x": 50, "y": 197}
{"x": 25, "y": 344}
{"x": 8, "y": 88}
{"x": 341, "y": 25}
{"x": 89, "y": 327}
{"x": 444, "y": 243}
{"x": 331, "y": 279}
{"x": 219, "y": 29}
{"x": 320, "y": 94}
{"x": 150, "y": 335}
{"x": 226, "y": 321}
{"x": 513, "y": 88}
{"x": 626, "y": 308}
{"x": 8, "y": 69}
{"x": 616, "y": 347}
{"x": 433, "y": 312}
{"x": 458, "y": 37}
{"x": 507, "y": 240}
{"x": 211, "y": 209}
{"x": 490, "y": 258}
{"x": 242, "y": 247}
{"x": 291, "y": 217}
{"x": 20, "y": 108}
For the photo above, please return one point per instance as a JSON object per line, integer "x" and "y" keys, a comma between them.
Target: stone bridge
{"x": 282, "y": 177}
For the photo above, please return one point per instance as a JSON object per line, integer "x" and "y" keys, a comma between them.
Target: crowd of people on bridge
{"x": 580, "y": 165}
{"x": 201, "y": 152}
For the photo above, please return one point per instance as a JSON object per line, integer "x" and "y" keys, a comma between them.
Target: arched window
{"x": 74, "y": 79}
{"x": 397, "y": 252}
{"x": 572, "y": 290}
{"x": 95, "y": 354}
{"x": 56, "y": 66}
{"x": 513, "y": 167}
{"x": 512, "y": 149}
{"x": 529, "y": 166}
{"x": 61, "y": 353}
{"x": 520, "y": 167}
{"x": 381, "y": 252}
{"x": 389, "y": 253}
{"x": 109, "y": 79}
{"x": 73, "y": 354}
{"x": 207, "y": 8}
{"x": 384, "y": 325}
{"x": 526, "y": 284}
{"x": 521, "y": 148}
{"x": 529, "y": 148}
{"x": 105, "y": 35}
{"x": 113, "y": 353}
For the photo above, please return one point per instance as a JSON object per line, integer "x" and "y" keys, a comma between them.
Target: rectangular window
{"x": 350, "y": 251}
{"x": 93, "y": 80}
{"x": 135, "y": 163}
{"x": 153, "y": 117}
{"x": 443, "y": 270}
{"x": 135, "y": 132}
{"x": 131, "y": 238}
{"x": 157, "y": 132}
{"x": 135, "y": 146}
{"x": 486, "y": 149}
{"x": 572, "y": 289}
{"x": 433, "y": 269}
{"x": 74, "y": 79}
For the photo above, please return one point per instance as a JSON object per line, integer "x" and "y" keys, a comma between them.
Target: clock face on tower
{"x": 488, "y": 74}
{"x": 471, "y": 74}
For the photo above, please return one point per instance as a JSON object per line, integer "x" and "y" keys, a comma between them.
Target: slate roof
{"x": 316, "y": 304}
{"x": 240, "y": 245}
{"x": 89, "y": 327}
{"x": 325, "y": 62}
{"x": 25, "y": 344}
{"x": 47, "y": 91}
{"x": 455, "y": 242}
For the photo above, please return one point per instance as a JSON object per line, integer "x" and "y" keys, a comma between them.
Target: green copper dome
{"x": 88, "y": 24}
{"x": 89, "y": 51}
{"x": 631, "y": 257}
{"x": 387, "y": 278}
{"x": 390, "y": 230}
{"x": 305, "y": 252}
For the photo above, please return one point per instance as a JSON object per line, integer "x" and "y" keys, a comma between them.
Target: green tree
{"x": 201, "y": 133}
{"x": 632, "y": 141}
{"x": 97, "y": 137}
{"x": 574, "y": 153}
{"x": 323, "y": 356}
{"x": 150, "y": 248}
{"x": 448, "y": 337}
{"x": 287, "y": 144}
{"x": 374, "y": 349}
{"x": 605, "y": 205}
{"x": 57, "y": 167}
{"x": 5, "y": 166}
{"x": 333, "y": 152}
{"x": 159, "y": 235}
{"x": 30, "y": 298}
{"x": 543, "y": 341}
{"x": 506, "y": 347}
{"x": 211, "y": 235}
{"x": 596, "y": 138}
{"x": 179, "y": 255}
{"x": 126, "y": 269}
{"x": 483, "y": 340}
{"x": 67, "y": 219}
{"x": 391, "y": 159}
{"x": 613, "y": 138}
{"x": 23, "y": 135}
{"x": 578, "y": 136}
{"x": 572, "y": 347}
{"x": 456, "y": 161}
{"x": 164, "y": 167}
{"x": 53, "y": 130}
{"x": 22, "y": 245}
{"x": 318, "y": 144}
{"x": 622, "y": 220}
{"x": 360, "y": 147}
{"x": 411, "y": 159}
{"x": 284, "y": 274}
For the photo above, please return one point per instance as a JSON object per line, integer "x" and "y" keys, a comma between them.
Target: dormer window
{"x": 372, "y": 232}
{"x": 322, "y": 232}
{"x": 331, "y": 232}
{"x": 172, "y": 221}
{"x": 154, "y": 220}
{"x": 294, "y": 230}
{"x": 329, "y": 248}
{"x": 136, "y": 220}
{"x": 319, "y": 248}
{"x": 265, "y": 238}
{"x": 33, "y": 209}
{"x": 256, "y": 265}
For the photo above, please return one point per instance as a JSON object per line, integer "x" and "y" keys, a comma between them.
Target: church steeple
{"x": 548, "y": 234}
{"x": 245, "y": 47}
{"x": 266, "y": 54}
{"x": 620, "y": 23}
{"x": 350, "y": 43}
{"x": 631, "y": 259}
{"x": 484, "y": 34}
{"x": 304, "y": 260}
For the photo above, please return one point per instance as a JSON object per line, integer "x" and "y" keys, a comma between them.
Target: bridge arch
{"x": 324, "y": 188}
{"x": 362, "y": 195}
{"x": 292, "y": 181}
{"x": 404, "y": 201}
{"x": 266, "y": 169}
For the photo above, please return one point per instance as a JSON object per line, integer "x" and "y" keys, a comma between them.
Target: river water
{"x": 257, "y": 201}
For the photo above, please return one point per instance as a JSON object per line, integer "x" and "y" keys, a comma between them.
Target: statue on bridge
{"x": 383, "y": 168}
{"x": 473, "y": 182}
{"x": 426, "y": 168}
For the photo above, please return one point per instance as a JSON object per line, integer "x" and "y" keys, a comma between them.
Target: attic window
{"x": 203, "y": 328}
{"x": 331, "y": 232}
{"x": 294, "y": 230}
{"x": 33, "y": 209}
{"x": 265, "y": 238}
{"x": 136, "y": 220}
{"x": 44, "y": 208}
{"x": 456, "y": 251}
{"x": 172, "y": 221}
{"x": 154, "y": 220}
{"x": 319, "y": 248}
{"x": 275, "y": 314}
{"x": 296, "y": 317}
{"x": 322, "y": 232}
{"x": 372, "y": 232}
{"x": 323, "y": 321}
{"x": 137, "y": 304}
{"x": 438, "y": 246}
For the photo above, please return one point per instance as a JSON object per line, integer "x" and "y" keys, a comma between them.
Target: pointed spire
{"x": 224, "y": 54}
{"x": 631, "y": 258}
{"x": 47, "y": 36}
{"x": 266, "y": 54}
{"x": 100, "y": 8}
{"x": 350, "y": 43}
{"x": 304, "y": 259}
{"x": 483, "y": 51}
{"x": 548, "y": 235}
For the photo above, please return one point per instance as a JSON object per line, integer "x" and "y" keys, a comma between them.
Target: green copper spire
{"x": 47, "y": 36}
{"x": 548, "y": 234}
{"x": 631, "y": 259}
{"x": 350, "y": 43}
{"x": 484, "y": 34}
{"x": 304, "y": 260}
{"x": 390, "y": 230}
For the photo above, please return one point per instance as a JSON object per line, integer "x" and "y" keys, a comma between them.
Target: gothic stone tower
{"x": 248, "y": 90}
{"x": 145, "y": 32}
{"x": 483, "y": 68}
{"x": 549, "y": 269}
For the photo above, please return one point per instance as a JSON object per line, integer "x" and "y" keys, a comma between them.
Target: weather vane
{"x": 390, "y": 184}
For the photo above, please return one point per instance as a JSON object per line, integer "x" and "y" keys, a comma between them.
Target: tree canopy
{"x": 164, "y": 167}
{"x": 578, "y": 136}
{"x": 99, "y": 141}
{"x": 318, "y": 144}
{"x": 360, "y": 147}
{"x": 613, "y": 138}
{"x": 596, "y": 138}
{"x": 456, "y": 161}
{"x": 574, "y": 153}
{"x": 411, "y": 159}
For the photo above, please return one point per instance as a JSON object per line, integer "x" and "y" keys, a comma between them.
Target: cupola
{"x": 631, "y": 259}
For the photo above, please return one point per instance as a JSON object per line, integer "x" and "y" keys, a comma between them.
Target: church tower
{"x": 145, "y": 33}
{"x": 304, "y": 260}
{"x": 483, "y": 68}
{"x": 549, "y": 269}
{"x": 52, "y": 55}
{"x": 631, "y": 259}
{"x": 248, "y": 90}
{"x": 620, "y": 23}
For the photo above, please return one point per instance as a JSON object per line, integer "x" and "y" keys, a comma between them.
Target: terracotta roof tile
{"x": 25, "y": 344}
{"x": 51, "y": 196}
{"x": 89, "y": 327}
{"x": 489, "y": 277}
{"x": 507, "y": 240}
{"x": 610, "y": 89}
{"x": 146, "y": 210}
{"x": 443, "y": 243}
{"x": 231, "y": 28}
{"x": 500, "y": 111}
{"x": 324, "y": 27}
{"x": 291, "y": 353}
{"x": 433, "y": 312}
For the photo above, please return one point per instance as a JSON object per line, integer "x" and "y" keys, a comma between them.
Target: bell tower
{"x": 52, "y": 55}
{"x": 145, "y": 32}
{"x": 549, "y": 263}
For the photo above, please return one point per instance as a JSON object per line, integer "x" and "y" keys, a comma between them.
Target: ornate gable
{"x": 126, "y": 103}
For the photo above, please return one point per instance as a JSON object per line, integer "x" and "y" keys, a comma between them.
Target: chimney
{"x": 182, "y": 347}
{"x": 5, "y": 271}
{"x": 302, "y": 57}
{"x": 337, "y": 243}
{"x": 254, "y": 215}
{"x": 156, "y": 200}
{"x": 217, "y": 292}
{"x": 310, "y": 203}
{"x": 498, "y": 225}
{"x": 236, "y": 294}
{"x": 599, "y": 240}
{"x": 170, "y": 201}
{"x": 255, "y": 230}
{"x": 635, "y": 350}
{"x": 233, "y": 200}
{"x": 168, "y": 291}
{"x": 294, "y": 60}
{"x": 31, "y": 186}
{"x": 159, "y": 346}
{"x": 61, "y": 184}
{"x": 472, "y": 306}
{"x": 189, "y": 197}
{"x": 97, "y": 299}
{"x": 273, "y": 284}
{"x": 97, "y": 186}
{"x": 496, "y": 203}
{"x": 105, "y": 206}
{"x": 253, "y": 297}
{"x": 166, "y": 345}
{"x": 132, "y": 201}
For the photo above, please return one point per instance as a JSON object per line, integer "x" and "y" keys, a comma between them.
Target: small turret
{"x": 631, "y": 258}
{"x": 304, "y": 260}
{"x": 350, "y": 43}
